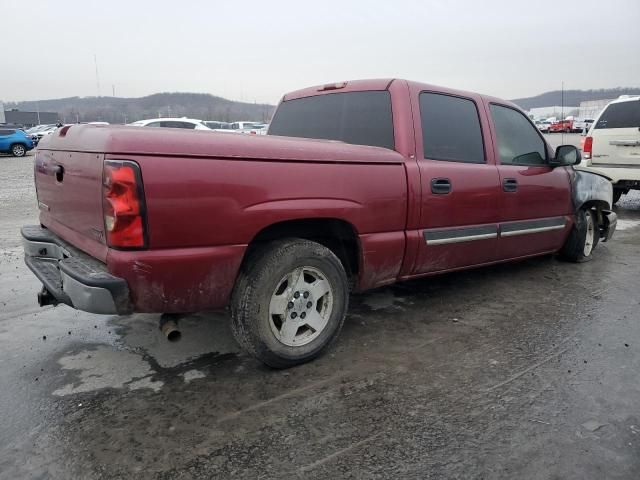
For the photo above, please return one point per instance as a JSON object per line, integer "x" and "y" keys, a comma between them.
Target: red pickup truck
{"x": 565, "y": 126}
{"x": 357, "y": 185}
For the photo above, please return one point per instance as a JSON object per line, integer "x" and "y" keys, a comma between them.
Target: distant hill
{"x": 117, "y": 109}
{"x": 572, "y": 97}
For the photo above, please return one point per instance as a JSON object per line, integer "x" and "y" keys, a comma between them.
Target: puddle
{"x": 627, "y": 224}
{"x": 104, "y": 367}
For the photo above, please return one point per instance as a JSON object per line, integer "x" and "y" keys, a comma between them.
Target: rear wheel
{"x": 289, "y": 302}
{"x": 18, "y": 150}
{"x": 583, "y": 238}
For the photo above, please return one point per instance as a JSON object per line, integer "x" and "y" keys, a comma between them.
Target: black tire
{"x": 574, "y": 248}
{"x": 617, "y": 193}
{"x": 261, "y": 275}
{"x": 18, "y": 150}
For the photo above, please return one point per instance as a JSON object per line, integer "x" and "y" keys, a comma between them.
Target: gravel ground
{"x": 526, "y": 370}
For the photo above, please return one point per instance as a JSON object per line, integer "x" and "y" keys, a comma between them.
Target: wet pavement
{"x": 526, "y": 370}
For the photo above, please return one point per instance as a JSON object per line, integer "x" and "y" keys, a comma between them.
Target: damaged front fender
{"x": 592, "y": 190}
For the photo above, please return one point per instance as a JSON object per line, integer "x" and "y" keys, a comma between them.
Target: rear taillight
{"x": 587, "y": 149}
{"x": 123, "y": 205}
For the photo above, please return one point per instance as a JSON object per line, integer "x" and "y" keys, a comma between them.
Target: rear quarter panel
{"x": 194, "y": 202}
{"x": 203, "y": 212}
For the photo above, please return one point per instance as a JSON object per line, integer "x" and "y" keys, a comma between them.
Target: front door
{"x": 459, "y": 181}
{"x": 535, "y": 199}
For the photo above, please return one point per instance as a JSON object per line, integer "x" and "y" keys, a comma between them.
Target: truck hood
{"x": 123, "y": 140}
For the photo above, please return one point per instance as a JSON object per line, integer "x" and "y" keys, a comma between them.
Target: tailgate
{"x": 69, "y": 190}
{"x": 616, "y": 147}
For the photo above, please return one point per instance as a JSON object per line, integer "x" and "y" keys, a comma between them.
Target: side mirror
{"x": 566, "y": 155}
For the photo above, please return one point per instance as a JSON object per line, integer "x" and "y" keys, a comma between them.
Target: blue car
{"x": 15, "y": 142}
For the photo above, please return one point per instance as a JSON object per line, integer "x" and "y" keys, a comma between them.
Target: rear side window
{"x": 451, "y": 129}
{"x": 518, "y": 141}
{"x": 620, "y": 115}
{"x": 5, "y": 133}
{"x": 361, "y": 118}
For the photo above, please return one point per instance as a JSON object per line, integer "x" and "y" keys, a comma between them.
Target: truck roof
{"x": 384, "y": 84}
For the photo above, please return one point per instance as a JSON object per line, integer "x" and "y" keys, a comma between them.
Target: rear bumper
{"x": 71, "y": 276}
{"x": 617, "y": 174}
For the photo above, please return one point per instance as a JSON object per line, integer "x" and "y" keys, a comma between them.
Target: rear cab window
{"x": 519, "y": 142}
{"x": 620, "y": 115}
{"x": 360, "y": 118}
{"x": 451, "y": 128}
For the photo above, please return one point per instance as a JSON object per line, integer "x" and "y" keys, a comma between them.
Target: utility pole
{"x": 38, "y": 111}
{"x": 113, "y": 90}
{"x": 95, "y": 59}
{"x": 562, "y": 109}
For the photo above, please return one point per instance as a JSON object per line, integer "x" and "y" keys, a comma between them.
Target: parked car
{"x": 344, "y": 193}
{"x": 15, "y": 142}
{"x": 612, "y": 145}
{"x": 256, "y": 129}
{"x": 37, "y": 128}
{"x": 582, "y": 126}
{"x": 217, "y": 125}
{"x": 37, "y": 136}
{"x": 186, "y": 123}
{"x": 543, "y": 125}
{"x": 244, "y": 125}
{"x": 565, "y": 126}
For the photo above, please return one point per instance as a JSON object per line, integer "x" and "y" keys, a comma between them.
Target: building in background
{"x": 27, "y": 119}
{"x": 557, "y": 111}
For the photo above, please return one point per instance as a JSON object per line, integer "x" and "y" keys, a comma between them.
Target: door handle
{"x": 440, "y": 186}
{"x": 510, "y": 185}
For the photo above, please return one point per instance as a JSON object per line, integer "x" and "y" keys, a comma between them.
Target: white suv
{"x": 612, "y": 146}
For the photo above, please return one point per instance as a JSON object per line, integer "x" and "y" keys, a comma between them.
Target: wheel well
{"x": 337, "y": 235}
{"x": 598, "y": 206}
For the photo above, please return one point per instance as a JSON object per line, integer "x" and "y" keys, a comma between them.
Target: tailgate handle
{"x": 440, "y": 186}
{"x": 58, "y": 170}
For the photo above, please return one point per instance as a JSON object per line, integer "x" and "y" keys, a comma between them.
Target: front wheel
{"x": 289, "y": 302}
{"x": 18, "y": 150}
{"x": 583, "y": 238}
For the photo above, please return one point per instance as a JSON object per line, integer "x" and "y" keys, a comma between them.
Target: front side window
{"x": 518, "y": 141}
{"x": 620, "y": 115}
{"x": 451, "y": 129}
{"x": 360, "y": 118}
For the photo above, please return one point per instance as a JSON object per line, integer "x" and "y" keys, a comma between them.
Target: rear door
{"x": 535, "y": 199}
{"x": 616, "y": 135}
{"x": 459, "y": 183}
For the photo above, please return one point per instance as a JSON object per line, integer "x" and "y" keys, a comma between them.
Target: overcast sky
{"x": 257, "y": 50}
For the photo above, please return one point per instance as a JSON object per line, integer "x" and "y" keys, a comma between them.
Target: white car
{"x": 244, "y": 125}
{"x": 188, "y": 123}
{"x": 543, "y": 125}
{"x": 256, "y": 129}
{"x": 612, "y": 146}
{"x": 43, "y": 132}
{"x": 582, "y": 125}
